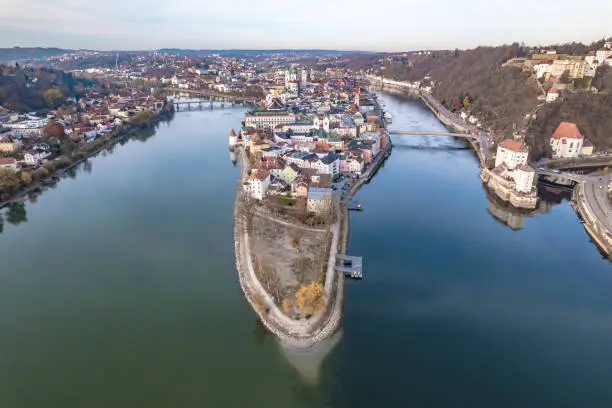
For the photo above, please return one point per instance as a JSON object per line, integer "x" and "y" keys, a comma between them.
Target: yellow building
{"x": 255, "y": 148}
{"x": 9, "y": 147}
{"x": 276, "y": 93}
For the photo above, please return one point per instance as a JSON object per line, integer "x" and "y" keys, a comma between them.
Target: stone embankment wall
{"x": 594, "y": 228}
{"x": 504, "y": 190}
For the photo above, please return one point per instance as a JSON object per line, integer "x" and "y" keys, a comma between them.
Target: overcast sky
{"x": 380, "y": 25}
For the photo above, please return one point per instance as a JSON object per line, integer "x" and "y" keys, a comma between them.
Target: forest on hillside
{"x": 476, "y": 80}
{"x": 504, "y": 97}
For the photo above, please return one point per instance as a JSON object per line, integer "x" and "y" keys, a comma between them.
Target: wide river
{"x": 118, "y": 289}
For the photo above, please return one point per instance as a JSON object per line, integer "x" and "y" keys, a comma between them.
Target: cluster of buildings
{"x": 311, "y": 145}
{"x": 25, "y": 141}
{"x": 512, "y": 179}
{"x": 548, "y": 65}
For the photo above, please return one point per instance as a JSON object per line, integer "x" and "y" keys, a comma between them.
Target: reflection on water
{"x": 16, "y": 213}
{"x": 309, "y": 363}
{"x": 514, "y": 218}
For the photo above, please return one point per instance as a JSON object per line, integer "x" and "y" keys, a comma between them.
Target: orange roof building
{"x": 566, "y": 140}
{"x": 567, "y": 130}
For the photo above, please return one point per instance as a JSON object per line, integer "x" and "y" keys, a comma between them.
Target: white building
{"x": 542, "y": 68}
{"x": 327, "y": 165}
{"x": 298, "y": 127}
{"x": 566, "y": 140}
{"x": 262, "y": 119}
{"x": 319, "y": 199}
{"x": 32, "y": 159}
{"x": 233, "y": 138}
{"x": 512, "y": 153}
{"x": 523, "y": 178}
{"x": 293, "y": 87}
{"x": 259, "y": 181}
{"x": 552, "y": 95}
{"x": 602, "y": 55}
{"x": 324, "y": 122}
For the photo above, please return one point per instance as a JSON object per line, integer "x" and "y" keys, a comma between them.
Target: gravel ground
{"x": 274, "y": 245}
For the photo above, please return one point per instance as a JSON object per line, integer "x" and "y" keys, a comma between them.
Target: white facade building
{"x": 602, "y": 55}
{"x": 552, "y": 95}
{"x": 319, "y": 199}
{"x": 566, "y": 140}
{"x": 263, "y": 119}
{"x": 259, "y": 181}
{"x": 523, "y": 178}
{"x": 512, "y": 153}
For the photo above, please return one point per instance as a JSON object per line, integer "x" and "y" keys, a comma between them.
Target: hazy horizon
{"x": 397, "y": 26}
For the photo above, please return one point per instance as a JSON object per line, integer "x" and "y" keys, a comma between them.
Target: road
{"x": 596, "y": 194}
{"x": 595, "y": 191}
{"x": 483, "y": 138}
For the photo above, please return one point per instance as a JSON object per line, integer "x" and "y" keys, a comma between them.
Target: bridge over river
{"x": 481, "y": 139}
{"x": 202, "y": 104}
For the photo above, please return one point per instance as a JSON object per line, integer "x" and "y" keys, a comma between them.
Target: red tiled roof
{"x": 259, "y": 175}
{"x": 513, "y": 145}
{"x": 567, "y": 130}
{"x": 7, "y": 160}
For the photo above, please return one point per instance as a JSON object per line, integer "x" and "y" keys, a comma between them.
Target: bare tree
{"x": 270, "y": 281}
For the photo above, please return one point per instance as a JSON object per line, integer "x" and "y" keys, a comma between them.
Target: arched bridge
{"x": 201, "y": 104}
{"x": 417, "y": 133}
{"x": 481, "y": 138}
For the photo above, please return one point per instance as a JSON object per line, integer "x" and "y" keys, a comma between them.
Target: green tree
{"x": 53, "y": 97}
{"x": 143, "y": 118}
{"x": 9, "y": 182}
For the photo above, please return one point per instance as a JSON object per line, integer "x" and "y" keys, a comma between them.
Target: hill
{"x": 35, "y": 89}
{"x": 590, "y": 111}
{"x": 19, "y": 53}
{"x": 475, "y": 80}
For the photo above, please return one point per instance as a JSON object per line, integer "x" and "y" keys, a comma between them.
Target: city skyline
{"x": 273, "y": 24}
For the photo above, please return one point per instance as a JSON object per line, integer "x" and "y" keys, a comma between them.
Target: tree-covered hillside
{"x": 33, "y": 89}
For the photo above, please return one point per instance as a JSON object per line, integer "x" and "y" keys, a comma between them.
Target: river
{"x": 118, "y": 288}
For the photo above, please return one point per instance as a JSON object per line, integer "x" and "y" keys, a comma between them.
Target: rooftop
{"x": 513, "y": 145}
{"x": 567, "y": 130}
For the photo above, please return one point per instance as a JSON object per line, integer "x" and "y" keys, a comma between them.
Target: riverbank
{"x": 499, "y": 186}
{"x": 57, "y": 173}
